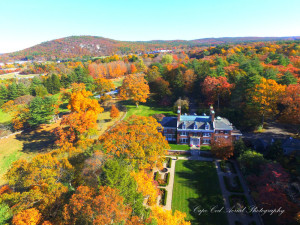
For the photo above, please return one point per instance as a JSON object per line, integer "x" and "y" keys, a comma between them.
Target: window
{"x": 206, "y": 134}
{"x": 183, "y": 133}
{"x": 183, "y": 126}
{"x": 226, "y": 132}
{"x": 206, "y": 141}
{"x": 183, "y": 140}
{"x": 170, "y": 137}
{"x": 237, "y": 138}
{"x": 217, "y": 132}
{"x": 206, "y": 126}
{"x": 195, "y": 127}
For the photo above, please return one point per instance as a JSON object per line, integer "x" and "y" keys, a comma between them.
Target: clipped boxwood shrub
{"x": 169, "y": 162}
{"x": 164, "y": 195}
{"x": 156, "y": 176}
{"x": 230, "y": 188}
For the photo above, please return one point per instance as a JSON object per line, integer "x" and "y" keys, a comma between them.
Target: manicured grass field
{"x": 179, "y": 147}
{"x": 4, "y": 117}
{"x": 118, "y": 82}
{"x": 147, "y": 109}
{"x": 196, "y": 184}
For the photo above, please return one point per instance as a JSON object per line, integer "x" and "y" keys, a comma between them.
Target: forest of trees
{"x": 84, "y": 180}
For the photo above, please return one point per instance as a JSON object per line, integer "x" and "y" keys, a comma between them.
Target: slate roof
{"x": 189, "y": 125}
{"x": 222, "y": 123}
{"x": 169, "y": 122}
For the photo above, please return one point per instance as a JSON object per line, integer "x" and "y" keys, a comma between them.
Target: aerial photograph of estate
{"x": 150, "y": 112}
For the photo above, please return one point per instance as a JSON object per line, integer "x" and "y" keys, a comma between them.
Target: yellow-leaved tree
{"x": 165, "y": 217}
{"x": 265, "y": 96}
{"x": 136, "y": 88}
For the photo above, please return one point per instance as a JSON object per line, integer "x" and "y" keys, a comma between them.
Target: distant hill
{"x": 79, "y": 46}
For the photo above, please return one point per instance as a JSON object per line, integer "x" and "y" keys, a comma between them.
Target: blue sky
{"x": 26, "y": 23}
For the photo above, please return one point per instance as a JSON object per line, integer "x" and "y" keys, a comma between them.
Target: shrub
{"x": 156, "y": 176}
{"x": 164, "y": 195}
{"x": 205, "y": 148}
{"x": 230, "y": 188}
{"x": 165, "y": 182}
{"x": 169, "y": 162}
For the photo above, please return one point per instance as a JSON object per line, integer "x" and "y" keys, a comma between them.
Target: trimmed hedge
{"x": 169, "y": 162}
{"x": 156, "y": 176}
{"x": 164, "y": 195}
{"x": 230, "y": 188}
{"x": 232, "y": 167}
{"x": 223, "y": 166}
{"x": 167, "y": 180}
{"x": 205, "y": 148}
{"x": 240, "y": 197}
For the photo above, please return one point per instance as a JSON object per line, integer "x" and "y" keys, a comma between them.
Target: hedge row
{"x": 240, "y": 197}
{"x": 169, "y": 162}
{"x": 164, "y": 195}
{"x": 167, "y": 180}
{"x": 230, "y": 188}
{"x": 156, "y": 176}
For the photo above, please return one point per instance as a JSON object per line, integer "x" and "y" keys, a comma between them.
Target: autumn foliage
{"x": 138, "y": 140}
{"x": 27, "y": 217}
{"x": 136, "y": 88}
{"x": 222, "y": 148}
{"x": 146, "y": 186}
{"x": 165, "y": 217}
{"x": 114, "y": 112}
{"x": 83, "y": 117}
{"x": 97, "y": 207}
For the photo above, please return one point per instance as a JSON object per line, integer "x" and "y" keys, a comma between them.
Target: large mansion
{"x": 198, "y": 130}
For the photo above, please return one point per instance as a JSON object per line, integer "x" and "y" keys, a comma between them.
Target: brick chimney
{"x": 178, "y": 113}
{"x": 212, "y": 113}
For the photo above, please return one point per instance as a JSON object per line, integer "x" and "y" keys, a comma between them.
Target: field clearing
{"x": 25, "y": 146}
{"x": 118, "y": 82}
{"x": 196, "y": 184}
{"x": 104, "y": 121}
{"x": 4, "y": 117}
{"x": 147, "y": 109}
{"x": 17, "y": 75}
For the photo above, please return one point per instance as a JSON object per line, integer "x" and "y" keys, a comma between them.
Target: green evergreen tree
{"x": 12, "y": 91}
{"x": 116, "y": 174}
{"x": 41, "y": 110}
{"x": 56, "y": 83}
{"x": 35, "y": 82}
{"x": 3, "y": 95}
{"x": 40, "y": 91}
{"x": 22, "y": 90}
{"x": 288, "y": 79}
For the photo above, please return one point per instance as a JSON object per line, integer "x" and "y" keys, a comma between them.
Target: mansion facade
{"x": 196, "y": 130}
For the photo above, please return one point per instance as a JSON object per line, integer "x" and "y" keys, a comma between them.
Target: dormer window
{"x": 183, "y": 126}
{"x": 206, "y": 126}
{"x": 195, "y": 127}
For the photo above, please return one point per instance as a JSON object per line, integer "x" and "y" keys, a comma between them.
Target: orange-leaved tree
{"x": 214, "y": 88}
{"x": 136, "y": 88}
{"x": 266, "y": 96}
{"x": 103, "y": 85}
{"x": 114, "y": 112}
{"x": 165, "y": 217}
{"x": 146, "y": 186}
{"x": 291, "y": 102}
{"x": 222, "y": 148}
{"x": 76, "y": 126}
{"x": 29, "y": 216}
{"x": 138, "y": 140}
{"x": 88, "y": 206}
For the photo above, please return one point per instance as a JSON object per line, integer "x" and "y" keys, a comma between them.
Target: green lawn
{"x": 147, "y": 109}
{"x": 179, "y": 147}
{"x": 205, "y": 148}
{"x": 4, "y": 117}
{"x": 196, "y": 184}
{"x": 118, "y": 82}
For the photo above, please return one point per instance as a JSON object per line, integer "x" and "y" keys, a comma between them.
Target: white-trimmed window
{"x": 206, "y": 135}
{"x": 183, "y": 140}
{"x": 206, "y": 141}
{"x": 226, "y": 132}
{"x": 183, "y": 133}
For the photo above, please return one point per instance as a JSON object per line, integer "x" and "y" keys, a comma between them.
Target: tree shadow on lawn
{"x": 37, "y": 141}
{"x": 204, "y": 180}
